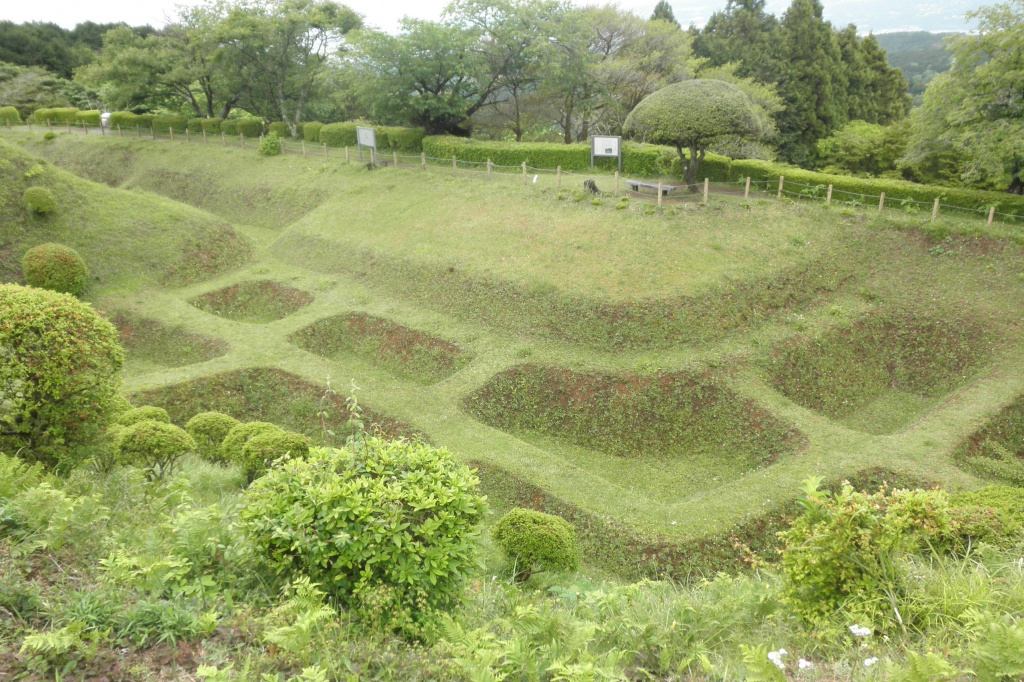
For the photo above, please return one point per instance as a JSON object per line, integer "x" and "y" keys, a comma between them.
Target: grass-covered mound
{"x": 700, "y": 431}
{"x": 271, "y": 395}
{"x": 150, "y": 344}
{"x": 996, "y": 450}
{"x": 123, "y": 236}
{"x": 257, "y": 301}
{"x": 881, "y": 372}
{"x": 402, "y": 351}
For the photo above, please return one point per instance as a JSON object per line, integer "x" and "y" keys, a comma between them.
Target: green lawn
{"x": 515, "y": 275}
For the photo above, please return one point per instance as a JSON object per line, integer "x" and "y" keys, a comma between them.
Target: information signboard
{"x": 606, "y": 146}
{"x": 366, "y": 137}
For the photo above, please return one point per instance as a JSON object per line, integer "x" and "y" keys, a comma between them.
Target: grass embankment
{"x": 513, "y": 274}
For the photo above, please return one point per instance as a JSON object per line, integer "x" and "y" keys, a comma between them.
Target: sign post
{"x": 366, "y": 137}
{"x": 606, "y": 146}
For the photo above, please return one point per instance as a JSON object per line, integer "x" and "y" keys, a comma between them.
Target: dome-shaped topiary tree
{"x": 39, "y": 200}
{"x": 208, "y": 430}
{"x": 234, "y": 442}
{"x": 535, "y": 541}
{"x": 59, "y": 363}
{"x": 263, "y": 449}
{"x": 9, "y": 114}
{"x": 55, "y": 267}
{"x": 142, "y": 414}
{"x": 692, "y": 115}
{"x": 154, "y": 446}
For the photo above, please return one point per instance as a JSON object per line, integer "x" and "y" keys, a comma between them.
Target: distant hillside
{"x": 919, "y": 54}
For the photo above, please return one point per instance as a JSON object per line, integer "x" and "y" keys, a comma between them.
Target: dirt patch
{"x": 272, "y": 395}
{"x": 677, "y": 416}
{"x": 257, "y": 301}
{"x": 900, "y": 358}
{"x": 402, "y": 351}
{"x": 150, "y": 341}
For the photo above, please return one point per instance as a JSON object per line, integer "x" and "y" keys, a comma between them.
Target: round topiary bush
{"x": 9, "y": 114}
{"x": 142, "y": 414}
{"x": 154, "y": 446}
{"x": 400, "y": 537}
{"x": 39, "y": 200}
{"x": 59, "y": 364}
{"x": 120, "y": 405}
{"x": 262, "y": 450}
{"x": 535, "y": 541}
{"x": 233, "y": 444}
{"x": 55, "y": 267}
{"x": 208, "y": 430}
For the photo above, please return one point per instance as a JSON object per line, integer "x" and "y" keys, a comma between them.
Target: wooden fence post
{"x": 707, "y": 187}
{"x": 48, "y": 124}
{"x": 394, "y": 155}
{"x": 85, "y": 128}
{"x": 455, "y": 164}
{"x": 781, "y": 180}
{"x": 991, "y": 215}
{"x": 188, "y": 135}
{"x": 325, "y": 150}
{"x": 152, "y": 131}
{"x": 69, "y": 125}
{"x": 205, "y": 140}
{"x": 935, "y": 209}
{"x": 103, "y": 128}
{"x": 138, "y": 130}
{"x": 423, "y": 160}
{"x": 223, "y": 138}
{"x": 346, "y": 153}
{"x": 170, "y": 129}
{"x": 303, "y": 141}
{"x": 828, "y": 199}
{"x": 524, "y": 172}
{"x": 119, "y": 133}
{"x": 241, "y": 136}
{"x": 659, "y": 194}
{"x": 881, "y": 201}
{"x": 616, "y": 183}
{"x": 746, "y": 190}
{"x": 489, "y": 164}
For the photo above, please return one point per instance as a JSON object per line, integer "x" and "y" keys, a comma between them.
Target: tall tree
{"x": 743, "y": 33}
{"x": 812, "y": 82}
{"x": 663, "y": 12}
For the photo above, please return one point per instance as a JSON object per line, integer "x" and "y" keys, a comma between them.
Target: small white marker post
{"x": 881, "y": 201}
{"x": 746, "y": 190}
{"x": 935, "y": 209}
{"x": 828, "y": 199}
{"x": 991, "y": 215}
{"x": 707, "y": 187}
{"x": 659, "y": 194}
{"x": 781, "y": 180}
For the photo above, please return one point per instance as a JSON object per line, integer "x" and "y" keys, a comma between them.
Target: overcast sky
{"x": 868, "y": 15}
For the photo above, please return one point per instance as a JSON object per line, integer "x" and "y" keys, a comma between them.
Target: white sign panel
{"x": 606, "y": 146}
{"x": 366, "y": 137}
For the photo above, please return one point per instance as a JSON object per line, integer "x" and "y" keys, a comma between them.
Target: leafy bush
{"x": 212, "y": 126}
{"x": 262, "y": 449}
{"x": 208, "y": 430}
{"x": 90, "y": 117}
{"x": 153, "y": 445}
{"x": 143, "y": 414}
{"x": 125, "y": 119}
{"x": 55, "y": 267}
{"x": 229, "y": 127}
{"x": 49, "y": 135}
{"x": 270, "y": 145}
{"x": 9, "y": 114}
{"x": 388, "y": 138}
{"x": 59, "y": 367}
{"x": 845, "y": 550}
{"x": 59, "y": 114}
{"x": 339, "y": 134}
{"x": 162, "y": 124}
{"x": 994, "y": 514}
{"x": 311, "y": 131}
{"x": 399, "y": 539}
{"x": 280, "y": 128}
{"x": 234, "y": 443}
{"x": 39, "y": 200}
{"x": 536, "y": 541}
{"x": 250, "y": 127}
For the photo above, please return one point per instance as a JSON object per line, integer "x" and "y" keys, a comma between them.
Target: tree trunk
{"x": 690, "y": 167}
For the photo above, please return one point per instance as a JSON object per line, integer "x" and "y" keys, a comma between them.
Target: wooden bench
{"x": 636, "y": 185}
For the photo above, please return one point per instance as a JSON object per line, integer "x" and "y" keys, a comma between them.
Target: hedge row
{"x": 388, "y": 137}
{"x": 91, "y": 117}
{"x": 60, "y": 114}
{"x": 895, "y": 190}
{"x": 637, "y": 159}
{"x": 126, "y": 119}
{"x": 250, "y": 127}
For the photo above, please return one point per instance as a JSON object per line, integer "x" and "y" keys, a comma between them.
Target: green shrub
{"x": 146, "y": 413}
{"x": 55, "y": 267}
{"x": 270, "y": 145}
{"x": 311, "y": 131}
{"x": 65, "y": 358}
{"x": 993, "y": 514}
{"x": 208, "y": 430}
{"x": 338, "y": 134}
{"x": 250, "y": 127}
{"x": 399, "y": 540}
{"x": 279, "y": 128}
{"x": 535, "y": 541}
{"x": 59, "y": 114}
{"x": 120, "y": 405}
{"x": 401, "y": 139}
{"x": 39, "y": 200}
{"x": 164, "y": 124}
{"x": 845, "y": 550}
{"x": 125, "y": 119}
{"x": 49, "y": 135}
{"x": 153, "y": 445}
{"x": 90, "y": 117}
{"x": 234, "y": 443}
{"x": 195, "y": 125}
{"x": 229, "y": 127}
{"x": 9, "y": 114}
{"x": 261, "y": 450}
{"x": 212, "y": 126}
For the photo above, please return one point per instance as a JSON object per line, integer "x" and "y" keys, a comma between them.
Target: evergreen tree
{"x": 812, "y": 82}
{"x": 743, "y": 33}
{"x": 663, "y": 11}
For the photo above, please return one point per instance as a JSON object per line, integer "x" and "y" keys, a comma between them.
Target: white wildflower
{"x": 859, "y": 631}
{"x": 776, "y": 658}
{"x": 868, "y": 662}
{"x": 804, "y": 664}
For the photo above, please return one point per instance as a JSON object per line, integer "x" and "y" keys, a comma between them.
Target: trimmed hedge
{"x": 128, "y": 120}
{"x": 234, "y": 443}
{"x": 9, "y": 114}
{"x": 281, "y": 128}
{"x": 61, "y": 114}
{"x": 534, "y": 541}
{"x": 388, "y": 137}
{"x": 250, "y": 127}
{"x": 153, "y": 445}
{"x": 55, "y": 267}
{"x": 39, "y": 200}
{"x": 208, "y": 430}
{"x": 164, "y": 123}
{"x": 195, "y": 125}
{"x": 146, "y": 413}
{"x": 311, "y": 131}
{"x": 212, "y": 126}
{"x": 263, "y": 449}
{"x": 895, "y": 190}
{"x": 339, "y": 135}
{"x": 91, "y": 117}
{"x": 229, "y": 127}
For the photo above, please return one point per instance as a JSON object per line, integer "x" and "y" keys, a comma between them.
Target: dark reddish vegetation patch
{"x": 155, "y": 342}
{"x": 213, "y": 252}
{"x": 676, "y": 415}
{"x": 397, "y": 349}
{"x": 996, "y": 450}
{"x": 254, "y": 301}
{"x": 272, "y": 395}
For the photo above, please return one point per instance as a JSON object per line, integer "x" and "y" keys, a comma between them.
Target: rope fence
{"x": 658, "y": 193}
